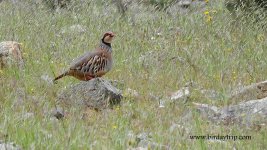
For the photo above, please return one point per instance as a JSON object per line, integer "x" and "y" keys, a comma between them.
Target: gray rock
{"x": 253, "y": 112}
{"x": 184, "y": 3}
{"x": 182, "y": 94}
{"x": 8, "y": 146}
{"x": 254, "y": 91}
{"x": 189, "y": 91}
{"x": 198, "y": 4}
{"x": 10, "y": 54}
{"x": 58, "y": 113}
{"x": 96, "y": 93}
{"x": 207, "y": 111}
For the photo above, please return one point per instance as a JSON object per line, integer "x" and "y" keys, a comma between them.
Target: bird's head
{"x": 108, "y": 37}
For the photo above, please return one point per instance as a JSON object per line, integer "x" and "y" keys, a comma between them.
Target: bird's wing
{"x": 80, "y": 60}
{"x": 90, "y": 63}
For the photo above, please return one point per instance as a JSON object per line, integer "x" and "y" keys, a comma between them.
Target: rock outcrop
{"x": 253, "y": 91}
{"x": 96, "y": 93}
{"x": 10, "y": 54}
{"x": 253, "y": 112}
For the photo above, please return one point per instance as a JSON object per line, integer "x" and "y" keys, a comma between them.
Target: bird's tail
{"x": 61, "y": 76}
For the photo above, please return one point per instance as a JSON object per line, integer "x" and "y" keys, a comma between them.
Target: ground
{"x": 154, "y": 53}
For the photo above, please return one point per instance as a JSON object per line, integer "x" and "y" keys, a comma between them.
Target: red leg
{"x": 87, "y": 78}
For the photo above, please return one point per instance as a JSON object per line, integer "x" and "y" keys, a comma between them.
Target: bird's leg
{"x": 87, "y": 78}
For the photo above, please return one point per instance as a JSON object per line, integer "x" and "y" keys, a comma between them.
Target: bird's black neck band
{"x": 105, "y": 46}
{"x": 108, "y": 44}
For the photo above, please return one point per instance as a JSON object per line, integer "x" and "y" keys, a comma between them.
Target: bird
{"x": 92, "y": 64}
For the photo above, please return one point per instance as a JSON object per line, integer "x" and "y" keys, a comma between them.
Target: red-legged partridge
{"x": 92, "y": 64}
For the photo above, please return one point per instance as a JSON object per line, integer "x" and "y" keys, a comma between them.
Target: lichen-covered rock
{"x": 10, "y": 53}
{"x": 96, "y": 93}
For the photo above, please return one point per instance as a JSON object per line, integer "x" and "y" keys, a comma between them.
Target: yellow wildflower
{"x": 250, "y": 80}
{"x": 114, "y": 127}
{"x": 234, "y": 75}
{"x": 209, "y": 19}
{"x": 206, "y": 12}
{"x": 206, "y": 1}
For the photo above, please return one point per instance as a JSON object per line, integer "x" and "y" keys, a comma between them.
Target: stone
{"x": 253, "y": 91}
{"x": 96, "y": 93}
{"x": 9, "y": 146}
{"x": 181, "y": 94}
{"x": 250, "y": 113}
{"x": 10, "y": 54}
{"x": 58, "y": 113}
{"x": 184, "y": 3}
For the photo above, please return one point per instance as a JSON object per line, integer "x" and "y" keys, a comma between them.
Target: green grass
{"x": 219, "y": 54}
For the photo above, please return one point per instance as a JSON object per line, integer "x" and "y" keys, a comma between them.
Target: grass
{"x": 210, "y": 49}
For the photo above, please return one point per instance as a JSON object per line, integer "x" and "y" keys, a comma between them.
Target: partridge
{"x": 92, "y": 64}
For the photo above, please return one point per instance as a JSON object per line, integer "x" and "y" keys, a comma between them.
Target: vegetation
{"x": 208, "y": 47}
{"x": 254, "y": 10}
